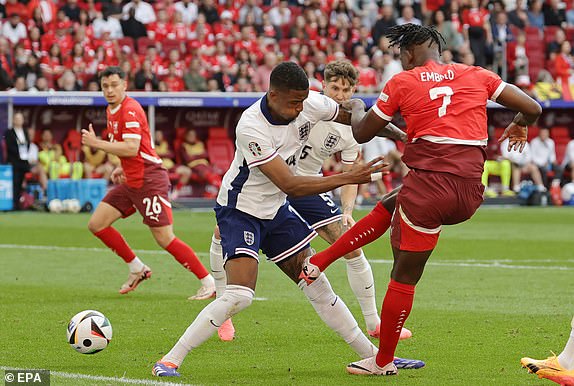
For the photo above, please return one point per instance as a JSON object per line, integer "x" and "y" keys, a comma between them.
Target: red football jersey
{"x": 442, "y": 105}
{"x": 128, "y": 120}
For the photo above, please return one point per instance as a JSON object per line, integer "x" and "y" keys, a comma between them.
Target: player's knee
{"x": 94, "y": 226}
{"x": 319, "y": 291}
{"x": 238, "y": 297}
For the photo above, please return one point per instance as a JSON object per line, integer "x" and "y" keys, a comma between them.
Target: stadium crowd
{"x": 224, "y": 45}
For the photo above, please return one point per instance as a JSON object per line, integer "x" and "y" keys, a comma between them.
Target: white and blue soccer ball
{"x": 89, "y": 332}
{"x": 568, "y": 194}
{"x": 55, "y": 206}
{"x": 71, "y": 205}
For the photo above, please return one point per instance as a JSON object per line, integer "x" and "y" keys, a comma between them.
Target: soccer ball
{"x": 71, "y": 205}
{"x": 89, "y": 332}
{"x": 55, "y": 206}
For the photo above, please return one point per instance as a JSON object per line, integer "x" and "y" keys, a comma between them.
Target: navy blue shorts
{"x": 279, "y": 238}
{"x": 318, "y": 210}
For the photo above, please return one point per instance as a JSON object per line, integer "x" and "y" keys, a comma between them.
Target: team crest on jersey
{"x": 331, "y": 141}
{"x": 304, "y": 131}
{"x": 254, "y": 148}
{"x": 249, "y": 237}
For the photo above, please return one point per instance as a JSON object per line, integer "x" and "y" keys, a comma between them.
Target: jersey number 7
{"x": 445, "y": 92}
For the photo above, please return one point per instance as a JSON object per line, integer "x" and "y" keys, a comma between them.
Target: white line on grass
{"x": 116, "y": 380}
{"x": 487, "y": 263}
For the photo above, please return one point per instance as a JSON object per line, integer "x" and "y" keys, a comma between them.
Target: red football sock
{"x": 116, "y": 242}
{"x": 396, "y": 309}
{"x": 367, "y": 230}
{"x": 187, "y": 257}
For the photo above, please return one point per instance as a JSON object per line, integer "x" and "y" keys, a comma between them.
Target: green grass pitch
{"x": 497, "y": 288}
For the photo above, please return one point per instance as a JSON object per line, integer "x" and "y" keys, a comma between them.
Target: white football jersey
{"x": 259, "y": 139}
{"x": 326, "y": 139}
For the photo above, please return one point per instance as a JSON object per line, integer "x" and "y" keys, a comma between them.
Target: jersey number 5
{"x": 446, "y": 93}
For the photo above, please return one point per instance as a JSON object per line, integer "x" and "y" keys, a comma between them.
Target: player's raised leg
{"x": 559, "y": 369}
{"x": 227, "y": 331}
{"x": 100, "y": 224}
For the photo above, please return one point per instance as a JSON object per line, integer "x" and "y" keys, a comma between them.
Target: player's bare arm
{"x": 297, "y": 186}
{"x": 127, "y": 148}
{"x": 348, "y": 197}
{"x": 371, "y": 124}
{"x": 528, "y": 112}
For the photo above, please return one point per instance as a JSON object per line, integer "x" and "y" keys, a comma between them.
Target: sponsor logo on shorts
{"x": 331, "y": 141}
{"x": 249, "y": 237}
{"x": 254, "y": 148}
{"x": 304, "y": 131}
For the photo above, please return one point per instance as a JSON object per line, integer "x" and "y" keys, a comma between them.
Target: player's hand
{"x": 118, "y": 176}
{"x": 517, "y": 137}
{"x": 354, "y": 104}
{"x": 347, "y": 220}
{"x": 89, "y": 136}
{"x": 363, "y": 173}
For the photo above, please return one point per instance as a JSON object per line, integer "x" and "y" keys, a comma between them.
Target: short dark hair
{"x": 288, "y": 76}
{"x": 113, "y": 70}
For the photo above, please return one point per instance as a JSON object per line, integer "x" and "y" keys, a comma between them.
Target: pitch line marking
{"x": 492, "y": 263}
{"x": 116, "y": 380}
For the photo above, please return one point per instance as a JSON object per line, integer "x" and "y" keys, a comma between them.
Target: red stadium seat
{"x": 72, "y": 145}
{"x": 221, "y": 152}
{"x": 560, "y": 133}
{"x": 143, "y": 43}
{"x": 532, "y": 132}
{"x": 172, "y": 44}
{"x": 560, "y": 152}
{"x": 218, "y": 132}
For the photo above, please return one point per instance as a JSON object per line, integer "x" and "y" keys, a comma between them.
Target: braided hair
{"x": 408, "y": 35}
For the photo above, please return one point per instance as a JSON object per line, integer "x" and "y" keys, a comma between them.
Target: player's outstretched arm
{"x": 127, "y": 148}
{"x": 367, "y": 125}
{"x": 280, "y": 174}
{"x": 393, "y": 132}
{"x": 528, "y": 112}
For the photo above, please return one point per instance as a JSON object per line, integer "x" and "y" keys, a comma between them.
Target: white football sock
{"x": 216, "y": 263}
{"x": 235, "y": 299}
{"x": 566, "y": 357}
{"x": 362, "y": 283}
{"x": 336, "y": 315}
{"x": 136, "y": 265}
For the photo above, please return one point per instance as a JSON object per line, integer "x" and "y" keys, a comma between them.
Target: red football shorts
{"x": 151, "y": 201}
{"x": 428, "y": 200}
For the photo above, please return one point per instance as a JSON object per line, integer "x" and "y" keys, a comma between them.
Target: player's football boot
{"x": 408, "y": 364}
{"x": 368, "y": 366}
{"x": 204, "y": 292}
{"x": 165, "y": 369}
{"x": 134, "y": 279}
{"x": 310, "y": 271}
{"x": 550, "y": 369}
{"x": 405, "y": 333}
{"x": 226, "y": 331}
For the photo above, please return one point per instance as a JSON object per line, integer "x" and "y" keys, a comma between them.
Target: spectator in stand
{"x": 31, "y": 71}
{"x": 314, "y": 83}
{"x": 408, "y": 16}
{"x": 194, "y": 155}
{"x": 106, "y": 23}
{"x": 77, "y": 61}
{"x": 568, "y": 162}
{"x": 262, "y": 73}
{"x": 386, "y": 147}
{"x": 41, "y": 85}
{"x": 519, "y": 16}
{"x": 453, "y": 39}
{"x": 340, "y": 14}
{"x": 280, "y": 14}
{"x": 96, "y": 163}
{"x": 213, "y": 85}
{"x": 570, "y": 16}
{"x": 564, "y": 63}
{"x": 554, "y": 14}
{"x": 52, "y": 65}
{"x": 367, "y": 75}
{"x": 386, "y": 21}
{"x": 15, "y": 6}
{"x": 251, "y": 7}
{"x": 72, "y": 10}
{"x": 14, "y": 30}
{"x": 145, "y": 78}
{"x": 477, "y": 31}
{"x": 193, "y": 78}
{"x": 133, "y": 28}
{"x": 367, "y": 10}
{"x": 54, "y": 161}
{"x": 68, "y": 82}
{"x": 188, "y": 10}
{"x": 167, "y": 158}
{"x": 225, "y": 77}
{"x": 172, "y": 81}
{"x": 48, "y": 10}
{"x": 544, "y": 156}
{"x": 115, "y": 8}
{"x": 160, "y": 29}
{"x": 522, "y": 164}
{"x": 496, "y": 165}
{"x": 554, "y": 47}
{"x": 242, "y": 85}
{"x": 6, "y": 62}
{"x": 17, "y": 147}
{"x": 209, "y": 10}
{"x": 19, "y": 85}
{"x": 535, "y": 14}
{"x": 144, "y": 11}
